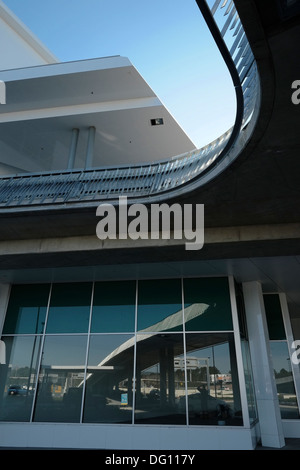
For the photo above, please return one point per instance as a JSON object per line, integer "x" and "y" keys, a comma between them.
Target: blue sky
{"x": 166, "y": 40}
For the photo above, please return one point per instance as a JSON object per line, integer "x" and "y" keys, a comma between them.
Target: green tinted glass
{"x": 285, "y": 385}
{"x": 160, "y": 305}
{"x": 26, "y": 309}
{"x": 114, "y": 307}
{"x": 212, "y": 380}
{"x": 69, "y": 308}
{"x": 160, "y": 390}
{"x": 108, "y": 393}
{"x": 18, "y": 380}
{"x": 59, "y": 393}
{"x": 207, "y": 304}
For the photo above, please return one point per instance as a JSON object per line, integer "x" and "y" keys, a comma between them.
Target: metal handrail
{"x": 149, "y": 180}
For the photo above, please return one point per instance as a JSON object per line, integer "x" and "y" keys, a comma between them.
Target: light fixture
{"x": 157, "y": 122}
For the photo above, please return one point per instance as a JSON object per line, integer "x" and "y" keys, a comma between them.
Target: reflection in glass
{"x": 212, "y": 380}
{"x": 61, "y": 379}
{"x": 69, "y": 310}
{"x": 207, "y": 304}
{"x": 160, "y": 305}
{"x": 108, "y": 394}
{"x": 18, "y": 377}
{"x": 284, "y": 380}
{"x": 160, "y": 379}
{"x": 114, "y": 307}
{"x": 26, "y": 309}
{"x": 249, "y": 381}
{"x": 173, "y": 385}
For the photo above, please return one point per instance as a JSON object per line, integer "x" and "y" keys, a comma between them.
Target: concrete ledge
{"x": 217, "y": 235}
{"x": 139, "y": 437}
{"x": 291, "y": 428}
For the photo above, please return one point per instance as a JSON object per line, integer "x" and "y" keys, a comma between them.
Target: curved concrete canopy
{"x": 261, "y": 186}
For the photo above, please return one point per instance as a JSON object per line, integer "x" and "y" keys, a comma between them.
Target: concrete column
{"x": 73, "y": 148}
{"x": 90, "y": 147}
{"x": 4, "y": 297}
{"x": 263, "y": 374}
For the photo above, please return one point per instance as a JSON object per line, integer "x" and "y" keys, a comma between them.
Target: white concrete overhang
{"x": 44, "y": 103}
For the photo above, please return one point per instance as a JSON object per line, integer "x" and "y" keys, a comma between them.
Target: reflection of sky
{"x": 63, "y": 350}
{"x": 21, "y": 351}
{"x": 101, "y": 346}
{"x": 170, "y": 322}
{"x": 74, "y": 319}
{"x": 113, "y": 318}
{"x": 28, "y": 320}
{"x": 151, "y": 314}
{"x": 175, "y": 319}
{"x": 280, "y": 356}
{"x": 71, "y": 350}
{"x": 32, "y": 318}
{"x": 218, "y": 356}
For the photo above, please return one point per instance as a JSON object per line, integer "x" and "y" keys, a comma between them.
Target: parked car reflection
{"x": 17, "y": 390}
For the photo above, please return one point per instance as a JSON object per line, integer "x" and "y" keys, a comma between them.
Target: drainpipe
{"x": 73, "y": 148}
{"x": 90, "y": 147}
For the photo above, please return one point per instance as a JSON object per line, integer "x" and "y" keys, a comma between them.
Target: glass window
{"x": 160, "y": 305}
{"x": 274, "y": 317}
{"x": 108, "y": 394}
{"x": 281, "y": 359}
{"x": 212, "y": 380}
{"x": 18, "y": 377}
{"x": 69, "y": 310}
{"x": 88, "y": 375}
{"x": 160, "y": 384}
{"x": 61, "y": 379}
{"x": 207, "y": 304}
{"x": 26, "y": 309}
{"x": 114, "y": 307}
{"x": 284, "y": 380}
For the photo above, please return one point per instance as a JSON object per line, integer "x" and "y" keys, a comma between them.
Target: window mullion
{"x": 87, "y": 354}
{"x": 40, "y": 356}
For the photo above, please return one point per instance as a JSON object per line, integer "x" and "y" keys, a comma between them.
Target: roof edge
{"x": 26, "y": 34}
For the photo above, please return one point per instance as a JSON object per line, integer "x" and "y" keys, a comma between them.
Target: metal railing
{"x": 150, "y": 180}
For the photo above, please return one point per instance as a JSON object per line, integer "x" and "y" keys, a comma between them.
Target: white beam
{"x": 73, "y": 110}
{"x": 90, "y": 147}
